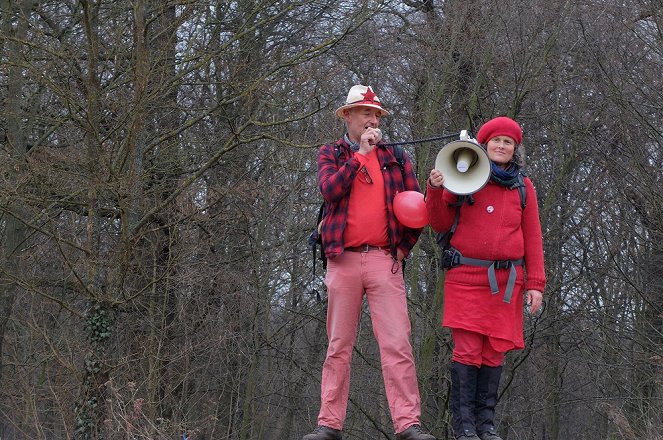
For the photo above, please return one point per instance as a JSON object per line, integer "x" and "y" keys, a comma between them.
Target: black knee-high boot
{"x": 488, "y": 383}
{"x": 463, "y": 397}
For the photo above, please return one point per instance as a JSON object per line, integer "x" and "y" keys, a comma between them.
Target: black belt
{"x": 366, "y": 248}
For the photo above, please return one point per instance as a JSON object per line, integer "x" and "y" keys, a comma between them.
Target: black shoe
{"x": 324, "y": 433}
{"x": 414, "y": 432}
{"x": 468, "y": 437}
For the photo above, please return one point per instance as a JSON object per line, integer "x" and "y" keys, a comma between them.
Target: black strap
{"x": 421, "y": 141}
{"x": 399, "y": 153}
{"x": 522, "y": 189}
{"x": 444, "y": 238}
{"x": 314, "y": 239}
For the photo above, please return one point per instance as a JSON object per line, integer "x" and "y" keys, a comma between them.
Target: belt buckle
{"x": 365, "y": 248}
{"x": 502, "y": 264}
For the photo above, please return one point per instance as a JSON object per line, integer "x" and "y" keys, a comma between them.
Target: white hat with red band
{"x": 361, "y": 96}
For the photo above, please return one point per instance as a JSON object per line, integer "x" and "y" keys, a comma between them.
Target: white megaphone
{"x": 464, "y": 164}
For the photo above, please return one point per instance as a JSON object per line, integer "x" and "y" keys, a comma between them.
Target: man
{"x": 365, "y": 245}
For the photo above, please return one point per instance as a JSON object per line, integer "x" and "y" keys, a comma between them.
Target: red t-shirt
{"x": 367, "y": 211}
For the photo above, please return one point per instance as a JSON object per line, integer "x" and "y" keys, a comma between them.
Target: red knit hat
{"x": 500, "y": 126}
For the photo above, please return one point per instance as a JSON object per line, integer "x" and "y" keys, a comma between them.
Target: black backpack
{"x": 315, "y": 238}
{"x": 444, "y": 238}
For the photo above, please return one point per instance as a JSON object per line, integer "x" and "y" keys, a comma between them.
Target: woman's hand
{"x": 534, "y": 299}
{"x": 436, "y": 179}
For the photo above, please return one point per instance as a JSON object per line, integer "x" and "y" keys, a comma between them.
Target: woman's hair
{"x": 519, "y": 156}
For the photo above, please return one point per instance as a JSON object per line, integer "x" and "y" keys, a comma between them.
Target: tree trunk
{"x": 15, "y": 141}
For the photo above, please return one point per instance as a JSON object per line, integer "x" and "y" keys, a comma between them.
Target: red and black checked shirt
{"x": 335, "y": 178}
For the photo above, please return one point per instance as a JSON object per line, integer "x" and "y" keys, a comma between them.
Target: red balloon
{"x": 410, "y": 209}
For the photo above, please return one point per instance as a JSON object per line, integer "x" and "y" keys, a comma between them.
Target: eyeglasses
{"x": 364, "y": 176}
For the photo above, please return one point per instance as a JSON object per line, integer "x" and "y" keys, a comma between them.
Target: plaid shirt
{"x": 335, "y": 178}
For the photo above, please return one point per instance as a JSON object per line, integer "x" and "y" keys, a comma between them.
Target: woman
{"x": 497, "y": 264}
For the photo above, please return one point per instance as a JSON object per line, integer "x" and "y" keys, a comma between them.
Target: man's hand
{"x": 369, "y": 139}
{"x": 400, "y": 255}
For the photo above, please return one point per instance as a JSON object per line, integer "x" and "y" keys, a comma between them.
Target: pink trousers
{"x": 349, "y": 276}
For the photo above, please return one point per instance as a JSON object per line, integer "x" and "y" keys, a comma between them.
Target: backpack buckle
{"x": 313, "y": 239}
{"x": 450, "y": 258}
{"x": 502, "y": 264}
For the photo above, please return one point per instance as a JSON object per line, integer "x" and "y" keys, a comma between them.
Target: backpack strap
{"x": 315, "y": 239}
{"x": 522, "y": 189}
{"x": 444, "y": 238}
{"x": 399, "y": 153}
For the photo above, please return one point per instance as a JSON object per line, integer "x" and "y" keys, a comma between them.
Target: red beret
{"x": 500, "y": 126}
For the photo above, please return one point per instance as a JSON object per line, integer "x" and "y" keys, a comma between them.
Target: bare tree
{"x": 158, "y": 186}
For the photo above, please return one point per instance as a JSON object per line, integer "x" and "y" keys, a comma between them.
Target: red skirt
{"x": 475, "y": 308}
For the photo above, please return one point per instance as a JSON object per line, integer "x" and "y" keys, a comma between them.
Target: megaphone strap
{"x": 421, "y": 141}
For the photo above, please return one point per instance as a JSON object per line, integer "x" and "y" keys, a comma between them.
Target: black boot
{"x": 463, "y": 395}
{"x": 488, "y": 383}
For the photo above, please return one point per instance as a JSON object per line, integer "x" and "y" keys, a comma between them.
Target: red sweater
{"x": 495, "y": 227}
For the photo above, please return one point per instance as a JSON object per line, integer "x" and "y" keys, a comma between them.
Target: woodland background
{"x": 158, "y": 185}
